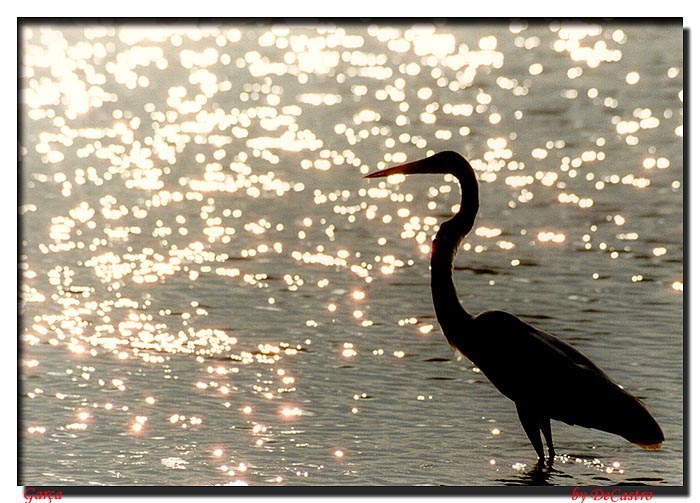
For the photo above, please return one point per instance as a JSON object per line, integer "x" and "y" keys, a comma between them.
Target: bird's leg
{"x": 532, "y": 429}
{"x": 546, "y": 428}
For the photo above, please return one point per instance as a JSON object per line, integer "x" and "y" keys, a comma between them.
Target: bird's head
{"x": 447, "y": 162}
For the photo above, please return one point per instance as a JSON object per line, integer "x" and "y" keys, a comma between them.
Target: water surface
{"x": 212, "y": 295}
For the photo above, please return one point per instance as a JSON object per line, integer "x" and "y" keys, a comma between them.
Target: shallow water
{"x": 212, "y": 294}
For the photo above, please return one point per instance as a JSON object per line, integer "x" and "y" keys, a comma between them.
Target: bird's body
{"x": 545, "y": 377}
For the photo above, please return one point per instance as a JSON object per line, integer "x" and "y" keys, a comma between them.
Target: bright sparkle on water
{"x": 212, "y": 294}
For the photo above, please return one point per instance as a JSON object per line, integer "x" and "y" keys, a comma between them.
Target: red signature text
{"x": 31, "y": 494}
{"x": 616, "y": 494}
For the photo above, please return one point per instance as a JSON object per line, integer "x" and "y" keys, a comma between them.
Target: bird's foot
{"x": 550, "y": 459}
{"x": 547, "y": 462}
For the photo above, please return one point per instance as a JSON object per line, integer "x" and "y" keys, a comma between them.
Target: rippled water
{"x": 212, "y": 294}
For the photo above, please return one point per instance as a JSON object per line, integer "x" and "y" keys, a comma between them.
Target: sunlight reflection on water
{"x": 211, "y": 294}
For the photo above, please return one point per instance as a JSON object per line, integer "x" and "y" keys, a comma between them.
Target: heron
{"x": 544, "y": 376}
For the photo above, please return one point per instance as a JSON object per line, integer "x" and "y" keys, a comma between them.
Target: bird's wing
{"x": 567, "y": 350}
{"x": 520, "y": 360}
{"x": 510, "y": 337}
{"x": 537, "y": 369}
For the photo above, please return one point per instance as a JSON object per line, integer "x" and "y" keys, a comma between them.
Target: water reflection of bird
{"x": 545, "y": 377}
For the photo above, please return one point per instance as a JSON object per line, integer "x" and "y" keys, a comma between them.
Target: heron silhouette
{"x": 545, "y": 377}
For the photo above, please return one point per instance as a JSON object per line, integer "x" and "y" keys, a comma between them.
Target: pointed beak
{"x": 409, "y": 168}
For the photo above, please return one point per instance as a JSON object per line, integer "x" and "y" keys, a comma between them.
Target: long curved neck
{"x": 449, "y": 310}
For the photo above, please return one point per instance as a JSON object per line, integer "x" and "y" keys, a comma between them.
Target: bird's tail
{"x": 628, "y": 417}
{"x": 650, "y": 447}
{"x": 610, "y": 408}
